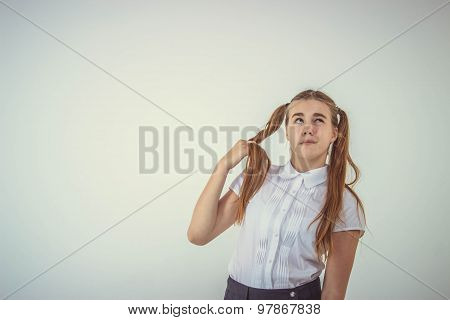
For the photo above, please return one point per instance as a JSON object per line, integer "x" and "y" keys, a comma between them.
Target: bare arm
{"x": 212, "y": 215}
{"x": 339, "y": 264}
{"x": 205, "y": 212}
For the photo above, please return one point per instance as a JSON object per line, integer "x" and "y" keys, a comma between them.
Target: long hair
{"x": 258, "y": 164}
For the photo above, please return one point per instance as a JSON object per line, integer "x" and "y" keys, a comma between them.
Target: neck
{"x": 303, "y": 165}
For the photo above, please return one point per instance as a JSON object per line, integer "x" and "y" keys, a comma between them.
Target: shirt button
{"x": 292, "y": 294}
{"x": 270, "y": 260}
{"x": 276, "y": 235}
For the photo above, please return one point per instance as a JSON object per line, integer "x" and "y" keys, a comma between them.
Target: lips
{"x": 308, "y": 142}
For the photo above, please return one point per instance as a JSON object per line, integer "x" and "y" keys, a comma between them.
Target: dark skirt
{"x": 238, "y": 291}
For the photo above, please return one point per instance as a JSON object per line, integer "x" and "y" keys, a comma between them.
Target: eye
{"x": 295, "y": 121}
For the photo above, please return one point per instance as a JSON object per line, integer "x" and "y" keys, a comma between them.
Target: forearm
{"x": 332, "y": 295}
{"x": 205, "y": 211}
{"x": 339, "y": 265}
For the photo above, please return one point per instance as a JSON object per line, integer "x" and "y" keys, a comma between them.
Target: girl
{"x": 296, "y": 217}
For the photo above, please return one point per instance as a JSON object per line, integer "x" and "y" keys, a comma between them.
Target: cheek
{"x": 293, "y": 133}
{"x": 323, "y": 146}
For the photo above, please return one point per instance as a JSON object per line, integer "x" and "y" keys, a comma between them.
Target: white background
{"x": 70, "y": 136}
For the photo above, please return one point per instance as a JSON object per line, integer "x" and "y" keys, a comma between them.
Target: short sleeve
{"x": 237, "y": 183}
{"x": 351, "y": 215}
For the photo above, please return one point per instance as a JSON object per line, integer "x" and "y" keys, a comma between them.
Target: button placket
{"x": 275, "y": 241}
{"x": 272, "y": 250}
{"x": 259, "y": 275}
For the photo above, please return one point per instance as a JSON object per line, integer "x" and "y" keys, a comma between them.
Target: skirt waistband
{"x": 301, "y": 292}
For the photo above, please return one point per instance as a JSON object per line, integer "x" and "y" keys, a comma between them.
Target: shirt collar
{"x": 312, "y": 177}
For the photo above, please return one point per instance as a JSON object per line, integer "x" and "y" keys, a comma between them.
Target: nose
{"x": 307, "y": 130}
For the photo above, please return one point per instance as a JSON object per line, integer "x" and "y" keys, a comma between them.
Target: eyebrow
{"x": 314, "y": 115}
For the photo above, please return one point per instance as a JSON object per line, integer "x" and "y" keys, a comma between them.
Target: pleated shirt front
{"x": 275, "y": 250}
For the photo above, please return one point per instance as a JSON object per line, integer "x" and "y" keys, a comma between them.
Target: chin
{"x": 305, "y": 154}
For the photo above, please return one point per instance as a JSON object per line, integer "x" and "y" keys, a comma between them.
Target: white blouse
{"x": 274, "y": 249}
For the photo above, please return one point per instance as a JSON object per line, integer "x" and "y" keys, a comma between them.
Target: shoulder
{"x": 271, "y": 173}
{"x": 350, "y": 206}
{"x": 349, "y": 199}
{"x": 274, "y": 170}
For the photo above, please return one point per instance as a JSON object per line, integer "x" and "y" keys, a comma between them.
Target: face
{"x": 309, "y": 129}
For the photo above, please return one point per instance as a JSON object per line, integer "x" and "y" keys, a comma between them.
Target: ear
{"x": 335, "y": 134}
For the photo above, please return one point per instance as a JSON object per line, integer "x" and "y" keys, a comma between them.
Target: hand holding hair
{"x": 235, "y": 154}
